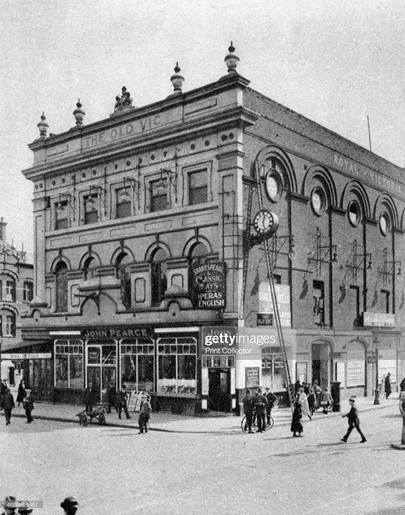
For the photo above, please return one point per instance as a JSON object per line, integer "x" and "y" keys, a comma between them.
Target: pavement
{"x": 167, "y": 422}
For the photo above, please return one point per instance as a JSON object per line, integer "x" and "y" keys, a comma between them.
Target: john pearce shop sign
{"x": 100, "y": 333}
{"x": 209, "y": 285}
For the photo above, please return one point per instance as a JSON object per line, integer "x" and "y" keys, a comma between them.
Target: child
{"x": 296, "y": 426}
{"x": 354, "y": 421}
{"x": 144, "y": 416}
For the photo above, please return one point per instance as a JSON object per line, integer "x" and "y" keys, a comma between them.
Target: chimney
{"x": 2, "y": 230}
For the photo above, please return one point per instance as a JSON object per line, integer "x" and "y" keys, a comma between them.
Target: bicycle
{"x": 267, "y": 425}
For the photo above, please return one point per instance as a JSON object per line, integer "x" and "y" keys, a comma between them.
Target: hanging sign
{"x": 209, "y": 285}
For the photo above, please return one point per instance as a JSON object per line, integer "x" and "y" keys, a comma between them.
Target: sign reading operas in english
{"x": 209, "y": 285}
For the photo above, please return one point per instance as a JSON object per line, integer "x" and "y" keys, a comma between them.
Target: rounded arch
{"x": 403, "y": 219}
{"x": 356, "y": 188}
{"x": 86, "y": 259}
{"x": 121, "y": 253}
{"x": 56, "y": 264}
{"x": 320, "y": 340}
{"x": 322, "y": 175}
{"x": 269, "y": 152}
{"x": 154, "y": 247}
{"x": 98, "y": 301}
{"x": 359, "y": 340}
{"x": 10, "y": 273}
{"x": 8, "y": 307}
{"x": 193, "y": 241}
{"x": 385, "y": 202}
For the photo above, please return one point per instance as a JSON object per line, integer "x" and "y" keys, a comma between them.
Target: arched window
{"x": 197, "y": 256}
{"x": 61, "y": 287}
{"x": 28, "y": 291}
{"x": 125, "y": 276}
{"x": 9, "y": 329}
{"x": 10, "y": 290}
{"x": 89, "y": 268}
{"x": 159, "y": 276}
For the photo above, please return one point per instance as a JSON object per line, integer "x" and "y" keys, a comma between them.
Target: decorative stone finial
{"x": 177, "y": 80}
{"x": 231, "y": 60}
{"x": 79, "y": 114}
{"x": 124, "y": 101}
{"x": 43, "y": 126}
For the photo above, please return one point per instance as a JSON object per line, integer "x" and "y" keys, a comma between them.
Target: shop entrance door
{"x": 219, "y": 389}
{"x": 321, "y": 364}
{"x": 101, "y": 368}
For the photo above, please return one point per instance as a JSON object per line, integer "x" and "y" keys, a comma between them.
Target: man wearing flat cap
{"x": 70, "y": 505}
{"x": 7, "y": 505}
{"x": 353, "y": 419}
{"x": 7, "y": 403}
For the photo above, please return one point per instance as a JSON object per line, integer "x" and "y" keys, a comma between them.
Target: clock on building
{"x": 265, "y": 222}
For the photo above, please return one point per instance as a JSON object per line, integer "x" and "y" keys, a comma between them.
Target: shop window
{"x": 69, "y": 364}
{"x": 158, "y": 195}
{"x": 319, "y": 303}
{"x": 123, "y": 202}
{"x": 61, "y": 281}
{"x": 177, "y": 366}
{"x": 28, "y": 291}
{"x": 90, "y": 209}
{"x": 272, "y": 369}
{"x": 197, "y": 187}
{"x": 9, "y": 329}
{"x": 159, "y": 276}
{"x": 138, "y": 364}
{"x": 61, "y": 215}
{"x": 10, "y": 291}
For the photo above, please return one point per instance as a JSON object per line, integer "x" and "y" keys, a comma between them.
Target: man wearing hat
{"x": 7, "y": 403}
{"x": 353, "y": 419}
{"x": 70, "y": 505}
{"x": 7, "y": 504}
{"x": 24, "y": 510}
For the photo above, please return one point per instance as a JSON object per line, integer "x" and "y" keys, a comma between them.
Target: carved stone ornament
{"x": 123, "y": 101}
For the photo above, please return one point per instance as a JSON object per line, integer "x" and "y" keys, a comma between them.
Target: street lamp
{"x": 377, "y": 390}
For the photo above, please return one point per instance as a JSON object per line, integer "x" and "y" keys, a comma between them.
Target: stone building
{"x": 16, "y": 292}
{"x": 145, "y": 242}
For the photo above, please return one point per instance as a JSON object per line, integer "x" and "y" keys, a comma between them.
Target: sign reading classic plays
{"x": 116, "y": 332}
{"x": 209, "y": 285}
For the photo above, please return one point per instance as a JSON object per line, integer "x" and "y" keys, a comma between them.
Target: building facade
{"x": 16, "y": 292}
{"x": 145, "y": 243}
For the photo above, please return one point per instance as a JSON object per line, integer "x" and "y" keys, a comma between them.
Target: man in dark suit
{"x": 248, "y": 408}
{"x": 271, "y": 399}
{"x": 353, "y": 419}
{"x": 8, "y": 405}
{"x": 261, "y": 404}
{"x": 111, "y": 397}
{"x": 90, "y": 398}
{"x": 122, "y": 398}
{"x": 28, "y": 404}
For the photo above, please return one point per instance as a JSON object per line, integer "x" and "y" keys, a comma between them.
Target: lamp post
{"x": 377, "y": 390}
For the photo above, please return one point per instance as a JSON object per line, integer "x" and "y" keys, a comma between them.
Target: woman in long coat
{"x": 388, "y": 385}
{"x": 302, "y": 400}
{"x": 21, "y": 392}
{"x": 296, "y": 426}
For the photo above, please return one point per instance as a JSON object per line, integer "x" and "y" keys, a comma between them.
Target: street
{"x": 116, "y": 470}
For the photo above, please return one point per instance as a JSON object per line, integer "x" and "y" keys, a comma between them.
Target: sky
{"x": 336, "y": 63}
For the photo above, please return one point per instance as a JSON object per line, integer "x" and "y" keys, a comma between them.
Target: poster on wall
{"x": 266, "y": 304}
{"x": 355, "y": 372}
{"x": 387, "y": 362}
{"x": 340, "y": 373}
{"x": 209, "y": 285}
{"x": 252, "y": 377}
{"x": 301, "y": 371}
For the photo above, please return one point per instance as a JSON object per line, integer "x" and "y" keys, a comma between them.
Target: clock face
{"x": 263, "y": 221}
{"x": 272, "y": 186}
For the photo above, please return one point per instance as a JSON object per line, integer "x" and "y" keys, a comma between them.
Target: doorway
{"x": 101, "y": 368}
{"x": 321, "y": 364}
{"x": 219, "y": 389}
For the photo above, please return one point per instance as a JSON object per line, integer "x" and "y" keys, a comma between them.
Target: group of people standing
{"x": 24, "y": 396}
{"x": 258, "y": 405}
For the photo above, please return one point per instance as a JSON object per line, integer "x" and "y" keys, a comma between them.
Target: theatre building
{"x": 148, "y": 237}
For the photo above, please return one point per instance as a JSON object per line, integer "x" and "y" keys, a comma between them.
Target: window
{"x": 10, "y": 290}
{"x": 89, "y": 268}
{"x": 319, "y": 303}
{"x": 273, "y": 185}
{"x": 177, "y": 367}
{"x": 273, "y": 369}
{"x": 385, "y": 224}
{"x": 197, "y": 256}
{"x": 159, "y": 276}
{"x": 10, "y": 325}
{"x": 61, "y": 283}
{"x": 90, "y": 209}
{"x": 158, "y": 195}
{"x": 69, "y": 364}
{"x": 28, "y": 291}
{"x": 61, "y": 215}
{"x": 354, "y": 213}
{"x": 318, "y": 201}
{"x": 386, "y": 300}
{"x": 138, "y": 364}
{"x": 355, "y": 301}
{"x": 197, "y": 188}
{"x": 123, "y": 206}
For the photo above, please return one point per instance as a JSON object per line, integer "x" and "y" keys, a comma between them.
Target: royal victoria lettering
{"x": 124, "y": 131}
